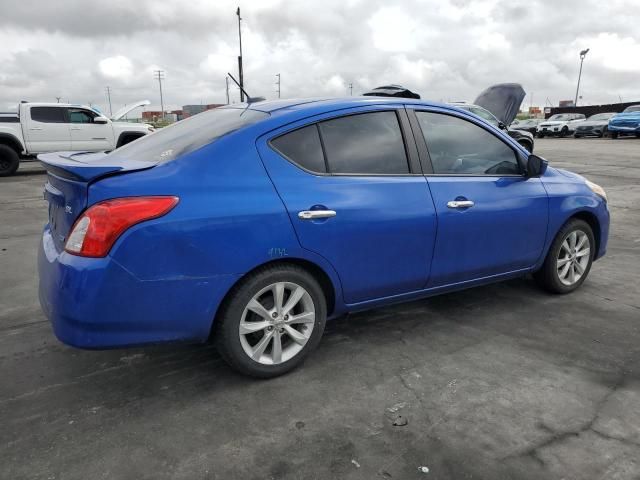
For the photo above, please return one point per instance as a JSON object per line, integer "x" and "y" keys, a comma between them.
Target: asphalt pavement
{"x": 503, "y": 381}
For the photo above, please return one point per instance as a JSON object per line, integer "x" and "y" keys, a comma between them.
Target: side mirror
{"x": 100, "y": 120}
{"x": 536, "y": 166}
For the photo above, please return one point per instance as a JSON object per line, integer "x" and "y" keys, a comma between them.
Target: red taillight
{"x": 97, "y": 229}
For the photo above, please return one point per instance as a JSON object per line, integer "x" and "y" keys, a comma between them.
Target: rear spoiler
{"x": 87, "y": 166}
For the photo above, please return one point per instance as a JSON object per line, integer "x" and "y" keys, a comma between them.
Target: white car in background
{"x": 54, "y": 127}
{"x": 560, "y": 125}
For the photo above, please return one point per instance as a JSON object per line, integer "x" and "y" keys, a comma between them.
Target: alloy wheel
{"x": 277, "y": 323}
{"x": 574, "y": 257}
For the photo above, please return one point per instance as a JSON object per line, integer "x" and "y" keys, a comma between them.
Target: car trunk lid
{"x": 69, "y": 175}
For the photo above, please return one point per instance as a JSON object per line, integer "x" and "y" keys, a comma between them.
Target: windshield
{"x": 559, "y": 116}
{"x": 633, "y": 108}
{"x": 187, "y": 135}
{"x": 601, "y": 116}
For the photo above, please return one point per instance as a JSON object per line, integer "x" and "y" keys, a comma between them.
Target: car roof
{"x": 275, "y": 106}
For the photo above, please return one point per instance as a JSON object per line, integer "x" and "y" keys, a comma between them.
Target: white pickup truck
{"x": 52, "y": 127}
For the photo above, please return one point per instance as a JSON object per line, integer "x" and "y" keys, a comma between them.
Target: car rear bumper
{"x": 96, "y": 303}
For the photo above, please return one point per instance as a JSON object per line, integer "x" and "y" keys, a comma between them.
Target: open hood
{"x": 123, "y": 111}
{"x": 503, "y": 100}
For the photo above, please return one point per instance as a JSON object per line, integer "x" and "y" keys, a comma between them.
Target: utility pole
{"x": 159, "y": 75}
{"x": 278, "y": 84}
{"x": 240, "y": 72}
{"x": 226, "y": 80}
{"x": 109, "y": 97}
{"x": 583, "y": 54}
{"x": 351, "y": 89}
{"x": 58, "y": 99}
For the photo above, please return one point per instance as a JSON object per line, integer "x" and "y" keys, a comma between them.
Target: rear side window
{"x": 367, "y": 143}
{"x": 188, "y": 135}
{"x": 302, "y": 147}
{"x": 49, "y": 114}
{"x": 459, "y": 147}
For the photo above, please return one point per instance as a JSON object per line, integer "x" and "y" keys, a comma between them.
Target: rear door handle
{"x": 460, "y": 204}
{"x": 35, "y": 128}
{"x": 313, "y": 214}
{"x": 76, "y": 128}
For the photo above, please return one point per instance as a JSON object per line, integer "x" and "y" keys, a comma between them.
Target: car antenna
{"x": 250, "y": 99}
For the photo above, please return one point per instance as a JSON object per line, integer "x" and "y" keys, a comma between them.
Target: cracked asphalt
{"x": 503, "y": 381}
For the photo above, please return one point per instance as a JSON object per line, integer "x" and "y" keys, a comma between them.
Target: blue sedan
{"x": 251, "y": 225}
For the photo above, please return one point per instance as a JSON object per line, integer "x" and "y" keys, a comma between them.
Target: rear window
{"x": 187, "y": 135}
{"x": 49, "y": 114}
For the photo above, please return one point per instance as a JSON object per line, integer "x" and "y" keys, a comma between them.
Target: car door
{"x": 87, "y": 135}
{"x": 492, "y": 219}
{"x": 355, "y": 193}
{"x": 47, "y": 129}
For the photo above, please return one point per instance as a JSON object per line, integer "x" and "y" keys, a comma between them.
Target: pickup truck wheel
{"x": 9, "y": 161}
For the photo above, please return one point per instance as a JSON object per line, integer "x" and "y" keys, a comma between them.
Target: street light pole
{"x": 583, "y": 54}
{"x": 278, "y": 84}
{"x": 240, "y": 72}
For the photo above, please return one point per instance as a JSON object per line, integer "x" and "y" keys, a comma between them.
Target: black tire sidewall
{"x": 227, "y": 336}
{"x": 548, "y": 274}
{"x": 8, "y": 154}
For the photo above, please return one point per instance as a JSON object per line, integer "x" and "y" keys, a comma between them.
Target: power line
{"x": 159, "y": 75}
{"x": 278, "y": 84}
{"x": 109, "y": 97}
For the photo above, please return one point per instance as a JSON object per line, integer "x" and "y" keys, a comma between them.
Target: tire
{"x": 614, "y": 135}
{"x": 260, "y": 289}
{"x": 575, "y": 135}
{"x": 604, "y": 133}
{"x": 550, "y": 276}
{"x": 540, "y": 135}
{"x": 9, "y": 161}
{"x": 564, "y": 132}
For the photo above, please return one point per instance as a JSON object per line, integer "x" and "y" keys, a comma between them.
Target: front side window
{"x": 49, "y": 114}
{"x": 302, "y": 147}
{"x": 78, "y": 115}
{"x": 366, "y": 143}
{"x": 459, "y": 147}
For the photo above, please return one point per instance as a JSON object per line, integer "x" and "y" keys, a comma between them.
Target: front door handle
{"x": 313, "y": 214}
{"x": 35, "y": 128}
{"x": 460, "y": 204}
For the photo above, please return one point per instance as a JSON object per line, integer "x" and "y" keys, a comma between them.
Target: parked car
{"x": 252, "y": 224}
{"x": 524, "y": 138}
{"x": 50, "y": 127}
{"x": 625, "y": 123}
{"x": 594, "y": 126}
{"x": 560, "y": 125}
{"x": 529, "y": 125}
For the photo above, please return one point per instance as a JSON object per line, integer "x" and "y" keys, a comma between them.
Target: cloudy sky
{"x": 443, "y": 49}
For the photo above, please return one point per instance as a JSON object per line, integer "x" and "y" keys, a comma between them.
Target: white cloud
{"x": 116, "y": 67}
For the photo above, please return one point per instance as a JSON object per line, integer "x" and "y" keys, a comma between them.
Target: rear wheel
{"x": 271, "y": 321}
{"x": 604, "y": 133}
{"x": 9, "y": 161}
{"x": 569, "y": 259}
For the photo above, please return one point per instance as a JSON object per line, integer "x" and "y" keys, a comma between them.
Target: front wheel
{"x": 271, "y": 321}
{"x": 569, "y": 259}
{"x": 9, "y": 161}
{"x": 614, "y": 135}
{"x": 564, "y": 132}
